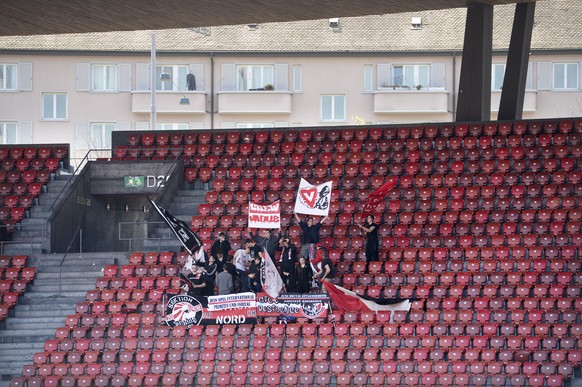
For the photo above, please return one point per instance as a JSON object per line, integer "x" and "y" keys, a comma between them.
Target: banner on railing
{"x": 186, "y": 310}
{"x": 243, "y": 308}
{"x": 307, "y": 305}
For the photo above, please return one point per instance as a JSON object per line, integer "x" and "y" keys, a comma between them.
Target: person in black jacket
{"x": 309, "y": 235}
{"x": 372, "y": 244}
{"x": 220, "y": 244}
{"x": 304, "y": 276}
{"x": 211, "y": 270}
{"x": 288, "y": 261}
{"x": 267, "y": 240}
{"x": 255, "y": 275}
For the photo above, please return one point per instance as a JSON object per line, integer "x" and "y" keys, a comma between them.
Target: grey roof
{"x": 556, "y": 28}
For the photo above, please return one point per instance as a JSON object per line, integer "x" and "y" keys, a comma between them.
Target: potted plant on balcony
{"x": 268, "y": 86}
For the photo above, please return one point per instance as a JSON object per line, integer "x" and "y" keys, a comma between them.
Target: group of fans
{"x": 226, "y": 271}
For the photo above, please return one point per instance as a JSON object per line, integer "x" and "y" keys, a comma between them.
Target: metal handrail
{"x": 80, "y": 232}
{"x": 23, "y": 227}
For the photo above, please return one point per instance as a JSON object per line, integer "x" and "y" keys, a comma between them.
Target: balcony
{"x": 169, "y": 102}
{"x": 410, "y": 101}
{"x": 529, "y": 101}
{"x": 254, "y": 102}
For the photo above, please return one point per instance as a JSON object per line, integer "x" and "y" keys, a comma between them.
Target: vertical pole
{"x": 153, "y": 84}
{"x": 514, "y": 82}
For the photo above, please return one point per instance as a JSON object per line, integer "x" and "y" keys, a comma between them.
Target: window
{"x": 250, "y": 125}
{"x": 367, "y": 78}
{"x": 411, "y": 76}
{"x": 54, "y": 106}
{"x": 254, "y": 77}
{"x": 565, "y": 76}
{"x": 8, "y": 76}
{"x": 177, "y": 78}
{"x": 171, "y": 126}
{"x": 333, "y": 107}
{"x": 101, "y": 134}
{"x": 9, "y": 133}
{"x": 297, "y": 79}
{"x": 497, "y": 76}
{"x": 104, "y": 77}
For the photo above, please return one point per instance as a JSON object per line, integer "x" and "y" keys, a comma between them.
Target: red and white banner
{"x": 268, "y": 216}
{"x": 377, "y": 197}
{"x": 308, "y": 305}
{"x": 347, "y": 301}
{"x": 313, "y": 199}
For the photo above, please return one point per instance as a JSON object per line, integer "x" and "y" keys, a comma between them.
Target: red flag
{"x": 348, "y": 301}
{"x": 377, "y": 197}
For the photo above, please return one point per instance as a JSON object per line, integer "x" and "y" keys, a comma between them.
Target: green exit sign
{"x": 134, "y": 181}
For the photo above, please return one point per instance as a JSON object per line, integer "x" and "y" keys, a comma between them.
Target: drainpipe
{"x": 212, "y": 90}
{"x": 454, "y": 85}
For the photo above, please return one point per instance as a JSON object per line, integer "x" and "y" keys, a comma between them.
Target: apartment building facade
{"x": 401, "y": 68}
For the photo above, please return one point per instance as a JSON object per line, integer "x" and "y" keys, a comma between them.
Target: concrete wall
{"x": 99, "y": 202}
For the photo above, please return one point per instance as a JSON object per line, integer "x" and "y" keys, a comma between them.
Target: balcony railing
{"x": 410, "y": 101}
{"x": 529, "y": 101}
{"x": 254, "y": 102}
{"x": 169, "y": 102}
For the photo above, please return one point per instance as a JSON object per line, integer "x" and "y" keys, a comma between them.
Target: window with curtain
{"x": 177, "y": 77}
{"x": 104, "y": 77}
{"x": 9, "y": 133}
{"x": 251, "y": 77}
{"x": 8, "y": 76}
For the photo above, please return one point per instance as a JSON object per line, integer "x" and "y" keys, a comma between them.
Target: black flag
{"x": 181, "y": 229}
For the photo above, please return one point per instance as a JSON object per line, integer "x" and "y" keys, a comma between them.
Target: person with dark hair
{"x": 267, "y": 240}
{"x": 304, "y": 276}
{"x": 224, "y": 281}
{"x": 288, "y": 261}
{"x": 220, "y": 244}
{"x": 255, "y": 275}
{"x": 254, "y": 249}
{"x": 242, "y": 260}
{"x": 309, "y": 235}
{"x": 327, "y": 271}
{"x": 372, "y": 244}
{"x": 211, "y": 268}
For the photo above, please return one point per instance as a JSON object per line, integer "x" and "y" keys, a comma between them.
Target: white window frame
{"x": 335, "y": 99}
{"x": 108, "y": 78}
{"x": 52, "y": 113}
{"x": 178, "y": 74}
{"x": 172, "y": 126}
{"x": 256, "y": 76}
{"x": 368, "y": 83}
{"x": 252, "y": 125}
{"x": 103, "y": 139}
{"x": 297, "y": 79}
{"x": 495, "y": 68}
{"x": 5, "y": 128}
{"x": 565, "y": 79}
{"x": 4, "y": 86}
{"x": 411, "y": 73}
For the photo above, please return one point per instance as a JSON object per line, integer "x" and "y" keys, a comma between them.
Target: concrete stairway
{"x": 32, "y": 236}
{"x": 44, "y": 306}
